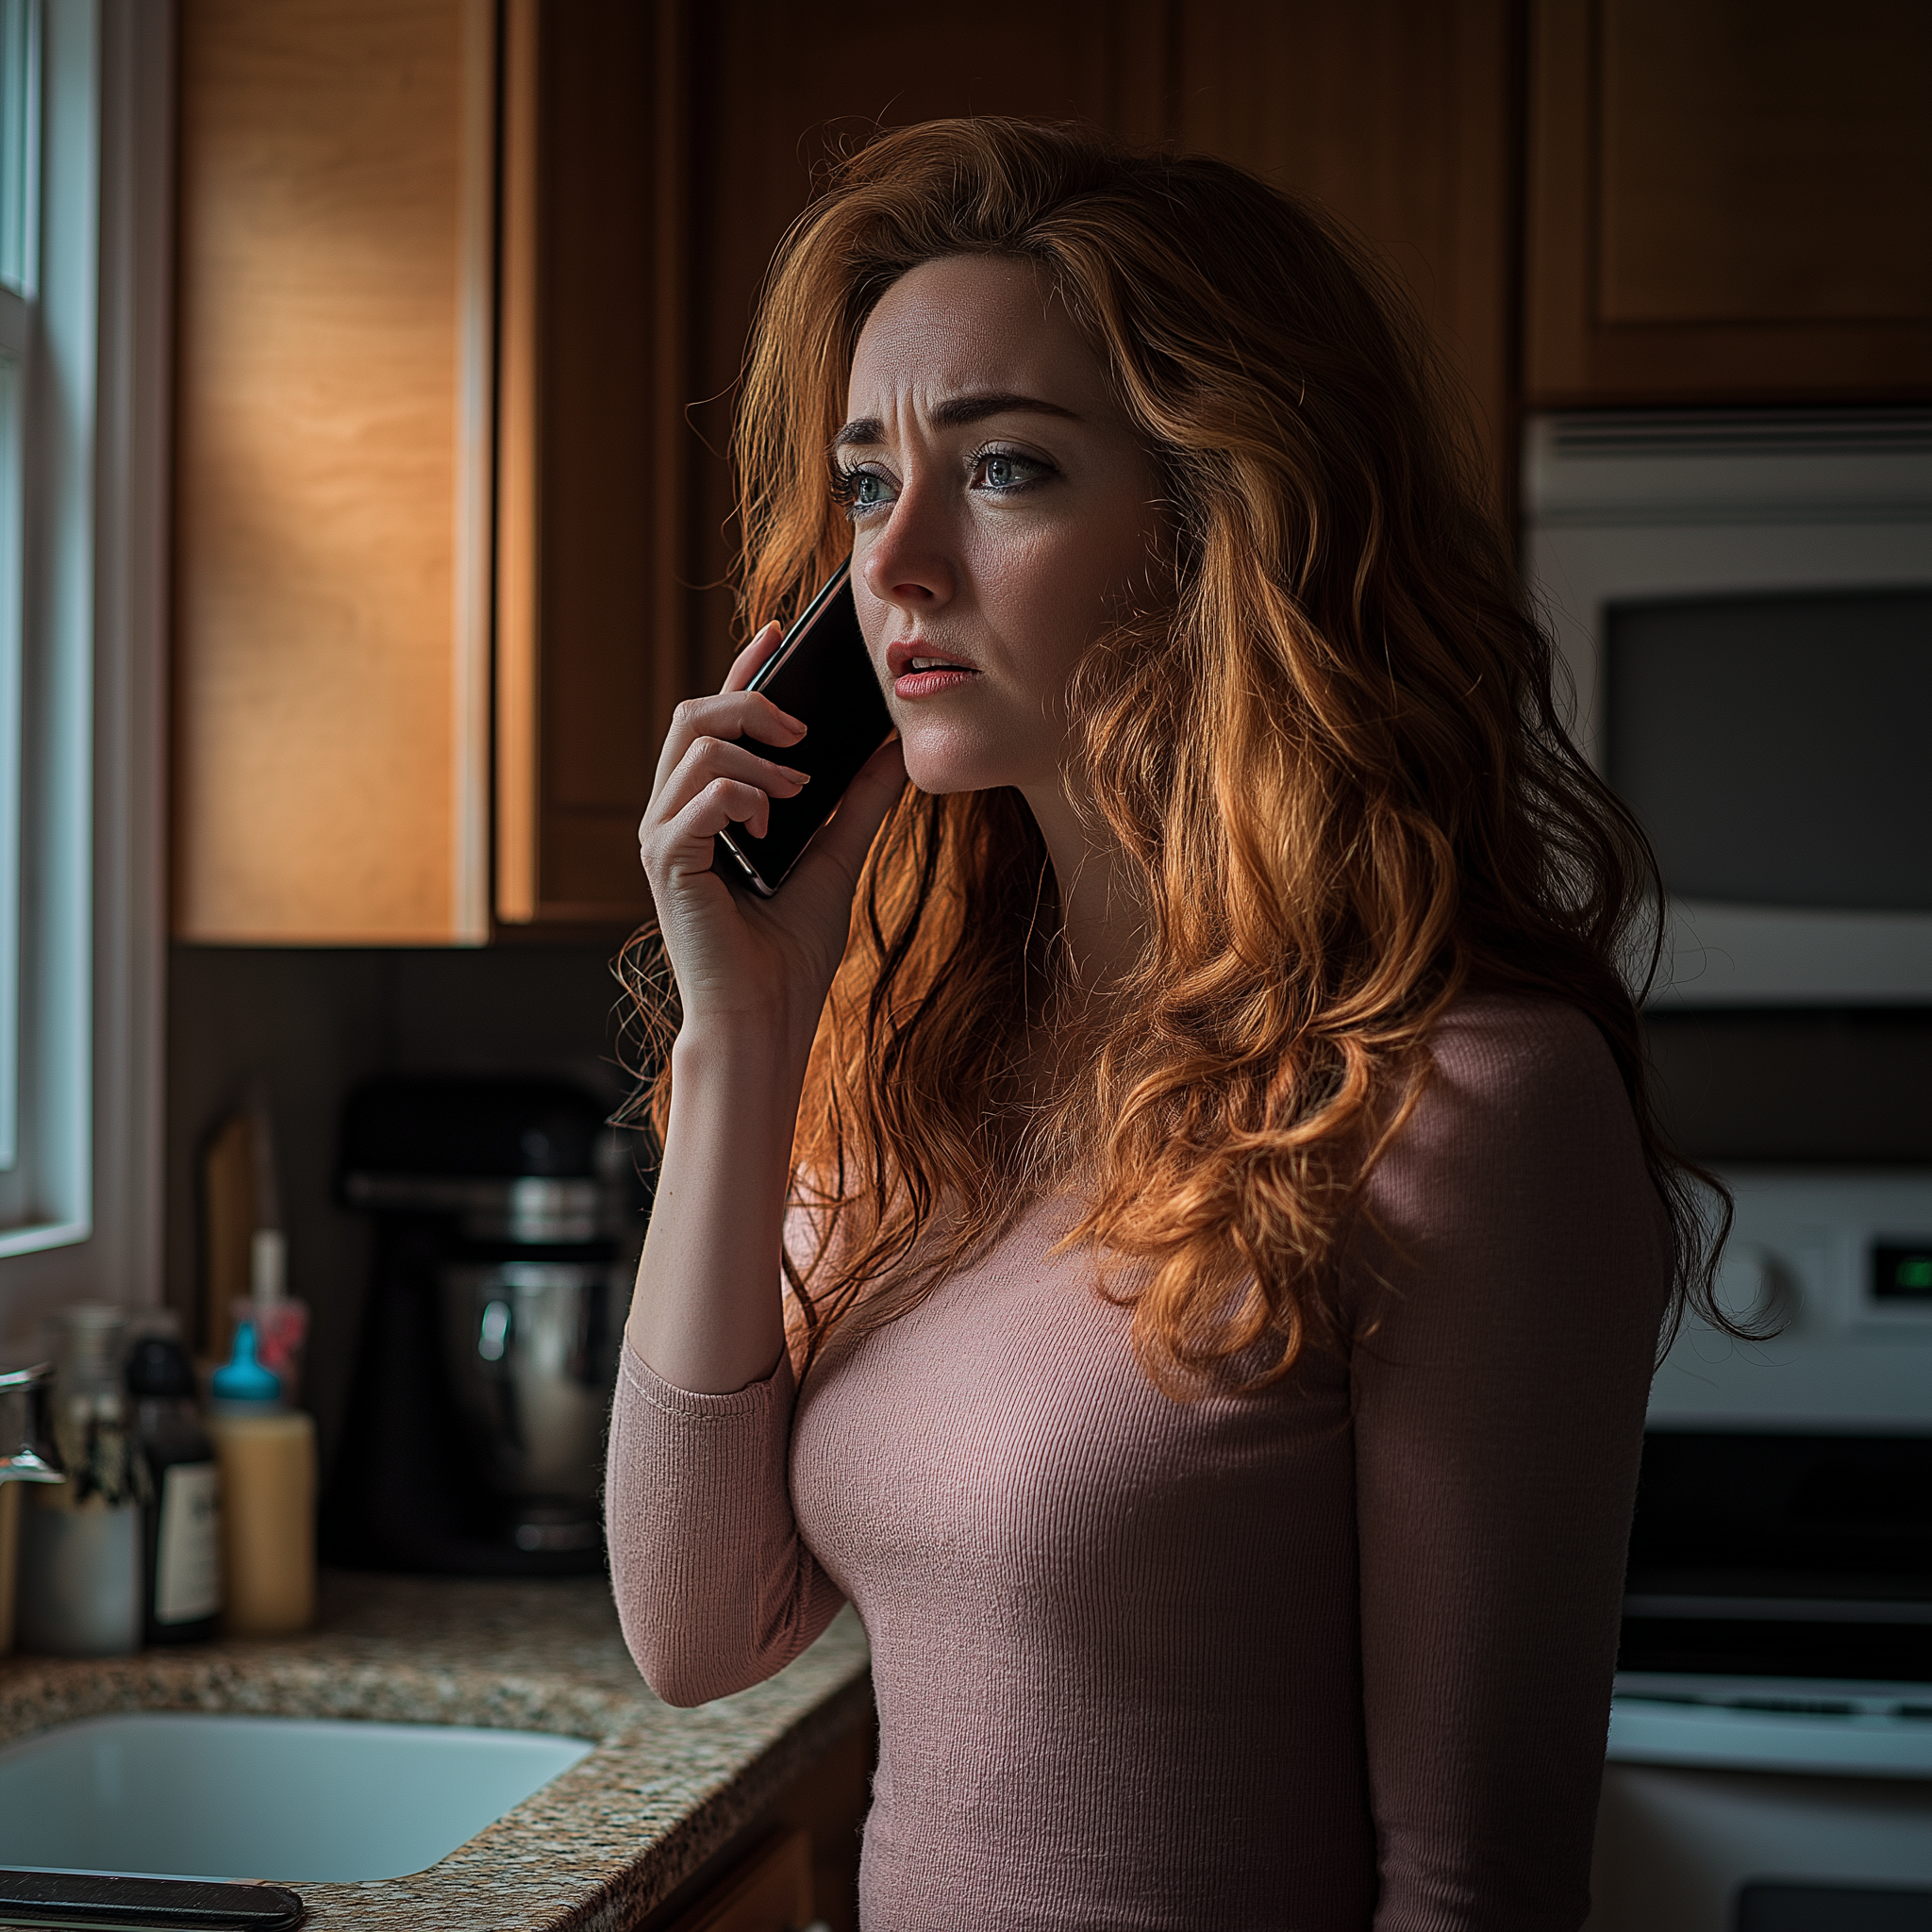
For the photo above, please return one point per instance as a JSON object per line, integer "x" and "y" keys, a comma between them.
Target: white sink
{"x": 262, "y": 1797}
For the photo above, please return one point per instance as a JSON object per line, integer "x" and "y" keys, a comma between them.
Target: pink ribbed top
{"x": 1336, "y": 1656}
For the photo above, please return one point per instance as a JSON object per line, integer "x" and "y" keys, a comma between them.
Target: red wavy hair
{"x": 1334, "y": 759}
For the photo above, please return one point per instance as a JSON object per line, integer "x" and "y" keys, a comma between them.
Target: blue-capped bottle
{"x": 266, "y": 1452}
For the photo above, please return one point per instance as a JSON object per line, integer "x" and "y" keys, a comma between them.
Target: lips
{"x": 902, "y": 658}
{"x": 921, "y": 670}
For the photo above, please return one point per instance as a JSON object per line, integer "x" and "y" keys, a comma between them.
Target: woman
{"x": 1199, "y": 1119}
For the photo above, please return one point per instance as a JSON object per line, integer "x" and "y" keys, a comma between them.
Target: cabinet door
{"x": 593, "y": 623}
{"x": 1398, "y": 118}
{"x": 776, "y": 88}
{"x": 770, "y": 1893}
{"x": 332, "y": 482}
{"x": 1401, "y": 120}
{"x": 1728, "y": 201}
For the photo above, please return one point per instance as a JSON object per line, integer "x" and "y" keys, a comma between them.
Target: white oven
{"x": 1769, "y": 1760}
{"x": 1743, "y": 600}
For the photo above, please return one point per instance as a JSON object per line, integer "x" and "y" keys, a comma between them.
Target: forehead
{"x": 968, "y": 324}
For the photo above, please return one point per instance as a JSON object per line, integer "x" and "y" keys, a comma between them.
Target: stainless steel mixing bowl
{"x": 532, "y": 1353}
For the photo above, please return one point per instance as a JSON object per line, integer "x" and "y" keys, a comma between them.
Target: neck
{"x": 1102, "y": 924}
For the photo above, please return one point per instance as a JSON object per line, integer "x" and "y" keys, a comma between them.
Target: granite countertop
{"x": 663, "y": 1789}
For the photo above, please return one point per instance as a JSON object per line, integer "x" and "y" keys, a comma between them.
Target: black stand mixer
{"x": 507, "y": 1224}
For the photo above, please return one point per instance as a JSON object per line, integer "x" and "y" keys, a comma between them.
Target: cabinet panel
{"x": 1728, "y": 201}
{"x": 1768, "y": 163}
{"x": 591, "y": 624}
{"x": 770, "y": 1893}
{"x": 776, "y": 86}
{"x": 332, "y": 534}
{"x": 1400, "y": 118}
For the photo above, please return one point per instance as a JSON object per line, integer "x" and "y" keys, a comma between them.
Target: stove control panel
{"x": 1834, "y": 1266}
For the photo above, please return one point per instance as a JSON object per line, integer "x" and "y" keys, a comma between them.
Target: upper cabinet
{"x": 1729, "y": 201}
{"x": 333, "y": 451}
{"x": 464, "y": 296}
{"x": 466, "y": 286}
{"x": 1398, "y": 118}
{"x": 594, "y": 453}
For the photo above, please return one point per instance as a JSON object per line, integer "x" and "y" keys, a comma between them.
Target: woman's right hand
{"x": 739, "y": 959}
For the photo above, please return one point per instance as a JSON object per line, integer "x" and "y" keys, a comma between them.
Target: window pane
{"x": 20, "y": 144}
{"x": 12, "y": 615}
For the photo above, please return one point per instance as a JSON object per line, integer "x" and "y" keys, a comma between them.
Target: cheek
{"x": 1050, "y": 593}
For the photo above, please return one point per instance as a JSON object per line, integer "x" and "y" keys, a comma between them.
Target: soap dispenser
{"x": 266, "y": 1454}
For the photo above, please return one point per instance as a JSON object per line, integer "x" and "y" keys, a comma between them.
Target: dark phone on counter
{"x": 822, "y": 674}
{"x": 94, "y": 1902}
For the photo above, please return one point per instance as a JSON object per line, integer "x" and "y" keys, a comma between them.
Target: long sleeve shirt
{"x": 1331, "y": 1656}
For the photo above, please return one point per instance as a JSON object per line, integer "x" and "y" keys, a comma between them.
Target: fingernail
{"x": 803, "y": 778}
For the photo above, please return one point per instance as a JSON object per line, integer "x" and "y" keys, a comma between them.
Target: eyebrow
{"x": 956, "y": 412}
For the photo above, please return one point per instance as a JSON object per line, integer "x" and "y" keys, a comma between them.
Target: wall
{"x": 301, "y": 1027}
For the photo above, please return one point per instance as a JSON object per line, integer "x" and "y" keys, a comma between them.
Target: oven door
{"x": 1742, "y": 1807}
{"x": 1770, "y": 1757}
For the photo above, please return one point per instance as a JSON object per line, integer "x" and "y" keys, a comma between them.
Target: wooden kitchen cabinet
{"x": 464, "y": 290}
{"x": 1400, "y": 117}
{"x": 593, "y": 641}
{"x": 422, "y": 663}
{"x": 1728, "y": 202}
{"x": 332, "y": 484}
{"x": 464, "y": 295}
{"x": 770, "y": 1892}
{"x": 795, "y": 1866}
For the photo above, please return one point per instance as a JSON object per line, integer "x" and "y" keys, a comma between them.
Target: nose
{"x": 908, "y": 564}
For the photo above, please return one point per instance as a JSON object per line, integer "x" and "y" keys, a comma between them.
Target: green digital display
{"x": 1902, "y": 1271}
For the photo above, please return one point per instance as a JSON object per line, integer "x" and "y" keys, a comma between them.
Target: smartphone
{"x": 822, "y": 674}
{"x": 96, "y": 1902}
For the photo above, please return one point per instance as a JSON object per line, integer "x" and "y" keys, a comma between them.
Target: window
{"x": 49, "y": 280}
{"x": 20, "y": 207}
{"x": 86, "y": 202}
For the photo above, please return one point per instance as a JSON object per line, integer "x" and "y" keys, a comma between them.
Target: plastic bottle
{"x": 182, "y": 1593}
{"x": 281, "y": 1323}
{"x": 81, "y": 1569}
{"x": 266, "y": 1452}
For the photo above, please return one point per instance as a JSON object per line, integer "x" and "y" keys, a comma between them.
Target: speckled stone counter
{"x": 663, "y": 1791}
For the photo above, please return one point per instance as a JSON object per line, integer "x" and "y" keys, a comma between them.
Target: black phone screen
{"x": 822, "y": 674}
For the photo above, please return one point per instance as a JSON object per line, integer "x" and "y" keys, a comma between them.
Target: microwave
{"x": 1742, "y": 602}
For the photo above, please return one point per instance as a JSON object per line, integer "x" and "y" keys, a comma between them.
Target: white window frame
{"x": 83, "y": 1216}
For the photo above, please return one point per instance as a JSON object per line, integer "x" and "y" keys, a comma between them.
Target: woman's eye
{"x": 1000, "y": 471}
{"x": 863, "y": 489}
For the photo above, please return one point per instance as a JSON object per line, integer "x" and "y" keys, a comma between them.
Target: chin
{"x": 947, "y": 761}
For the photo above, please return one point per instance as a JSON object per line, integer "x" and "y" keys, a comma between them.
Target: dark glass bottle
{"x": 182, "y": 1573}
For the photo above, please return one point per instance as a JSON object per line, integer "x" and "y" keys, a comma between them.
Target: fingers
{"x": 709, "y": 759}
{"x": 730, "y": 714}
{"x": 681, "y": 843}
{"x": 751, "y": 661}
